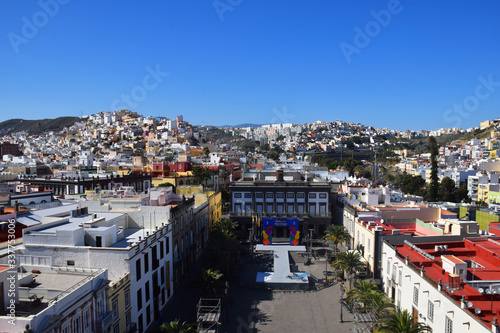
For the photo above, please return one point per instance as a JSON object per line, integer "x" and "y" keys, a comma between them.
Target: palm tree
{"x": 381, "y": 305}
{"x": 224, "y": 174}
{"x": 226, "y": 225}
{"x": 209, "y": 283}
{"x": 349, "y": 262}
{"x": 177, "y": 327}
{"x": 350, "y": 164}
{"x": 401, "y": 322}
{"x": 361, "y": 290}
{"x": 336, "y": 234}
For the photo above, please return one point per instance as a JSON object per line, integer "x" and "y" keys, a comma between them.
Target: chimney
{"x": 494, "y": 326}
{"x": 463, "y": 302}
{"x": 279, "y": 175}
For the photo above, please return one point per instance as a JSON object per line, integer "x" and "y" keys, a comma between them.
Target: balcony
{"x": 281, "y": 215}
{"x": 104, "y": 322}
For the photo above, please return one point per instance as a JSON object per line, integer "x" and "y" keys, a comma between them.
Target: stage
{"x": 282, "y": 277}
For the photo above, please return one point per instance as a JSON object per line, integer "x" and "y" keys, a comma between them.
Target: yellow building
{"x": 214, "y": 208}
{"x": 119, "y": 304}
{"x": 214, "y": 200}
{"x": 484, "y": 124}
{"x": 483, "y": 192}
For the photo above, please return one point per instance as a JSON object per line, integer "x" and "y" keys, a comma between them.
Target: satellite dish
{"x": 477, "y": 311}
{"x": 446, "y": 287}
{"x": 470, "y": 305}
{"x": 488, "y": 291}
{"x": 481, "y": 290}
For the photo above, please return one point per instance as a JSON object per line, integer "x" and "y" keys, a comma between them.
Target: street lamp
{"x": 342, "y": 288}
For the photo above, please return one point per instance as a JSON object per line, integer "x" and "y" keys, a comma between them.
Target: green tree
{"x": 350, "y": 164}
{"x": 360, "y": 290}
{"x": 350, "y": 262}
{"x": 224, "y": 174}
{"x": 209, "y": 283}
{"x": 198, "y": 174}
{"x": 401, "y": 322}
{"x": 462, "y": 194}
{"x": 177, "y": 327}
{"x": 434, "y": 187}
{"x": 206, "y": 151}
{"x": 336, "y": 234}
{"x": 447, "y": 190}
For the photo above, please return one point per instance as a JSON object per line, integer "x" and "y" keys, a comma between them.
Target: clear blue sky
{"x": 264, "y": 61}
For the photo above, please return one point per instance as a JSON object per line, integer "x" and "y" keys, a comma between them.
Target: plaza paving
{"x": 255, "y": 310}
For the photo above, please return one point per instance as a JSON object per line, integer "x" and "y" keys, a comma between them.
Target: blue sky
{"x": 421, "y": 65}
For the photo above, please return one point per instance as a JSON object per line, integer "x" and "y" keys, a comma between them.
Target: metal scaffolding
{"x": 365, "y": 317}
{"x": 208, "y": 313}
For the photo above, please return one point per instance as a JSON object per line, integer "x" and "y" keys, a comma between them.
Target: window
{"x": 430, "y": 311}
{"x": 146, "y": 263}
{"x": 312, "y": 195}
{"x": 70, "y": 262}
{"x": 115, "y": 309}
{"x": 415, "y": 295}
{"x": 300, "y": 209}
{"x": 301, "y": 195}
{"x": 154, "y": 258}
{"x": 86, "y": 320}
{"x": 322, "y": 209}
{"x": 323, "y": 195}
{"x": 312, "y": 209}
{"x": 399, "y": 299}
{"x": 289, "y": 209}
{"x": 248, "y": 195}
{"x": 138, "y": 270}
{"x": 116, "y": 328}
{"x": 237, "y": 195}
{"x": 147, "y": 292}
{"x": 139, "y": 299}
{"x": 128, "y": 320}
{"x": 363, "y": 242}
{"x": 448, "y": 325}
{"x": 237, "y": 208}
{"x": 76, "y": 325}
{"x": 269, "y": 208}
{"x": 279, "y": 208}
{"x": 259, "y": 208}
{"x": 66, "y": 329}
{"x": 280, "y": 195}
{"x": 167, "y": 246}
{"x": 400, "y": 278}
{"x": 259, "y": 195}
{"x": 290, "y": 195}
{"x": 369, "y": 245}
{"x": 140, "y": 324}
{"x": 148, "y": 315}
{"x": 127, "y": 298}
{"x": 269, "y": 195}
{"x": 161, "y": 249}
{"x": 162, "y": 276}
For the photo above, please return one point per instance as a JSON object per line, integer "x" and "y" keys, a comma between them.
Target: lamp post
{"x": 341, "y": 304}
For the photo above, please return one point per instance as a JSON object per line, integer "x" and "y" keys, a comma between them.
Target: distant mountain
{"x": 242, "y": 125}
{"x": 37, "y": 126}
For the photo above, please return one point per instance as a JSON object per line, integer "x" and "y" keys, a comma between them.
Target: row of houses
{"x": 102, "y": 263}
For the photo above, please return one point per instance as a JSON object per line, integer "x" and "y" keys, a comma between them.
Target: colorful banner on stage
{"x": 269, "y": 224}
